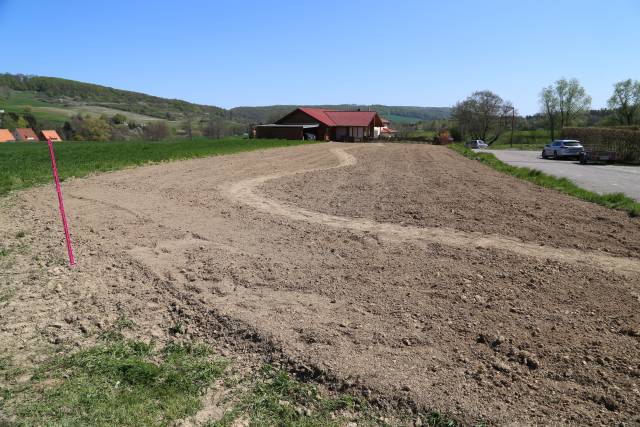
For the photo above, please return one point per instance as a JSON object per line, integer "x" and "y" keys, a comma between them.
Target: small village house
{"x": 6, "y": 135}
{"x": 25, "y": 134}
{"x": 324, "y": 125}
{"x": 50, "y": 134}
{"x": 385, "y": 131}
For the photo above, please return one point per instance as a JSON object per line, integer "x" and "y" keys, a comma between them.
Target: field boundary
{"x": 25, "y": 165}
{"x": 619, "y": 201}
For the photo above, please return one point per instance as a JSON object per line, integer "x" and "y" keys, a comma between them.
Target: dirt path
{"x": 380, "y": 269}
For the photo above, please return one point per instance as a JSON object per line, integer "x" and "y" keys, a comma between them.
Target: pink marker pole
{"x": 72, "y": 260}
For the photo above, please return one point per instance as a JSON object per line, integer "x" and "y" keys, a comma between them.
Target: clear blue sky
{"x": 413, "y": 52}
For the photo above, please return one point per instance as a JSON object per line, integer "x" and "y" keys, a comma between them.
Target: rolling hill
{"x": 55, "y": 100}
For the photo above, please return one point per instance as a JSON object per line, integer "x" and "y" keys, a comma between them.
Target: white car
{"x": 562, "y": 148}
{"x": 477, "y": 143}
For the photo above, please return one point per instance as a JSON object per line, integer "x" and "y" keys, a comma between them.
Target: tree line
{"x": 485, "y": 115}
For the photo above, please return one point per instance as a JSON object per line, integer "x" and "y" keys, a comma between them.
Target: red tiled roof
{"x": 6, "y": 135}
{"x": 50, "y": 134}
{"x": 343, "y": 118}
{"x": 352, "y": 118}
{"x": 26, "y": 134}
{"x": 319, "y": 114}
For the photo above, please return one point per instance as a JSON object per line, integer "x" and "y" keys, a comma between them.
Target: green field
{"x": 23, "y": 165}
{"x": 523, "y": 140}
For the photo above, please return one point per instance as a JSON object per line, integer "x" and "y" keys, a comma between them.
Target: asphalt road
{"x": 599, "y": 178}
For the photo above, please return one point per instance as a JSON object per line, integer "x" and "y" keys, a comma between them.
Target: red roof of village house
{"x": 26, "y": 134}
{"x": 343, "y": 118}
{"x": 50, "y": 134}
{"x": 6, "y": 135}
{"x": 319, "y": 114}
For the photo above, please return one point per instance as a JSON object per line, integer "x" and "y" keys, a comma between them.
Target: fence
{"x": 624, "y": 141}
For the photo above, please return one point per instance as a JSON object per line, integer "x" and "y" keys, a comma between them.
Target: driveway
{"x": 599, "y": 178}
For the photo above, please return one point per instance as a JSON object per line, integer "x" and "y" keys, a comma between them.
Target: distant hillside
{"x": 54, "y": 100}
{"x": 70, "y": 94}
{"x": 398, "y": 114}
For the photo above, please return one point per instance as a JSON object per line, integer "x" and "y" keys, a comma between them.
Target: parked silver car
{"x": 562, "y": 148}
{"x": 477, "y": 143}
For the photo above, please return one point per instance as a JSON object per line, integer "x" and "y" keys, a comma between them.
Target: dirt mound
{"x": 246, "y": 250}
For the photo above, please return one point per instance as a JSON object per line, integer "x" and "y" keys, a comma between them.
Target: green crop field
{"x": 24, "y": 165}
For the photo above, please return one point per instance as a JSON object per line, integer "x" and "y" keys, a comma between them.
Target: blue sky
{"x": 403, "y": 52}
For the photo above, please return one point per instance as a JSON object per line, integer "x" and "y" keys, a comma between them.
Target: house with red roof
{"x": 385, "y": 131}
{"x": 6, "y": 135}
{"x": 50, "y": 134}
{"x": 25, "y": 134}
{"x": 324, "y": 125}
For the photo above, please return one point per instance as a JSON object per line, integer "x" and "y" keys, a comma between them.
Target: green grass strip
{"x": 24, "y": 165}
{"x": 124, "y": 383}
{"x": 613, "y": 200}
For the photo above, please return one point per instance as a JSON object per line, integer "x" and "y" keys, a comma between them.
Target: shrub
{"x": 623, "y": 140}
{"x": 156, "y": 131}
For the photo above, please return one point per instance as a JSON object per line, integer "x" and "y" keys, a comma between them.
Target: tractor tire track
{"x": 247, "y": 192}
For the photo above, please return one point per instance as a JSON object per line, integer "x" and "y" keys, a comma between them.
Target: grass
{"x": 130, "y": 383}
{"x": 57, "y": 112}
{"x": 18, "y": 101}
{"x": 523, "y": 140}
{"x": 274, "y": 397}
{"x": 117, "y": 382}
{"x": 613, "y": 200}
{"x": 23, "y": 165}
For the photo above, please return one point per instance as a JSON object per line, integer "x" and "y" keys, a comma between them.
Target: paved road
{"x": 599, "y": 178}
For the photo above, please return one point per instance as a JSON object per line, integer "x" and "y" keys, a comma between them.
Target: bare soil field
{"x": 406, "y": 273}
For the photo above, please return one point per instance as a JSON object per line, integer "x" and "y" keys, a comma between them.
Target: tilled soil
{"x": 405, "y": 272}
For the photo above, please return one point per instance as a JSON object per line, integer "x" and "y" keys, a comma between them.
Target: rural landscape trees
{"x": 483, "y": 115}
{"x": 625, "y": 101}
{"x": 563, "y": 103}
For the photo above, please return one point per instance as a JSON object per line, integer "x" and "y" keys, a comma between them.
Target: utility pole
{"x": 513, "y": 123}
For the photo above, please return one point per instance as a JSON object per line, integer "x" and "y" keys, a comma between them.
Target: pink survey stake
{"x": 72, "y": 260}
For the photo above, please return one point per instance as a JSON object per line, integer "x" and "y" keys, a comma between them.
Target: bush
{"x": 156, "y": 131}
{"x": 625, "y": 141}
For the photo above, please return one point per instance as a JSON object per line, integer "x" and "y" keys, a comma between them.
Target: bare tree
{"x": 626, "y": 100}
{"x": 549, "y": 104}
{"x": 483, "y": 115}
{"x": 156, "y": 130}
{"x": 187, "y": 124}
{"x": 215, "y": 127}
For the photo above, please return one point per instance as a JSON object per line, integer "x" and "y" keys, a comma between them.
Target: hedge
{"x": 624, "y": 141}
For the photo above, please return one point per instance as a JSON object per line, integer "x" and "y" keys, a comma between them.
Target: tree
{"x": 564, "y": 103}
{"x": 187, "y": 124}
{"x": 119, "y": 119}
{"x": 8, "y": 122}
{"x": 214, "y": 127}
{"x": 549, "y": 104}
{"x": 22, "y": 123}
{"x": 27, "y": 113}
{"x": 92, "y": 129}
{"x": 156, "y": 130}
{"x": 626, "y": 100}
{"x": 483, "y": 115}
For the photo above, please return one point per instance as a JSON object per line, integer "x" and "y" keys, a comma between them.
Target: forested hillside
{"x": 70, "y": 92}
{"x": 397, "y": 114}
